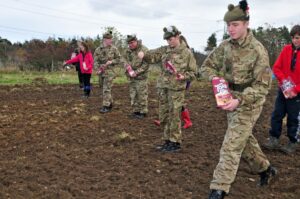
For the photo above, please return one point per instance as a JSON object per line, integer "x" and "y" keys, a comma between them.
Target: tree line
{"x": 48, "y": 55}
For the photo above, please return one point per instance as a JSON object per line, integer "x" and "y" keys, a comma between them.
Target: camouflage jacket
{"x": 103, "y": 54}
{"x": 181, "y": 58}
{"x": 140, "y": 67}
{"x": 242, "y": 63}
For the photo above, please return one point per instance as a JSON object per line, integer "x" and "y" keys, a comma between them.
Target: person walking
{"x": 178, "y": 66}
{"x": 86, "y": 62}
{"x": 287, "y": 71}
{"x": 137, "y": 72}
{"x": 106, "y": 57}
{"x": 244, "y": 63}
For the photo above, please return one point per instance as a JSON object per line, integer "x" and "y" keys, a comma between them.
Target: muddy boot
{"x": 290, "y": 148}
{"x": 216, "y": 194}
{"x": 164, "y": 145}
{"x": 141, "y": 115}
{"x": 185, "y": 116}
{"x": 266, "y": 176}
{"x": 134, "y": 115}
{"x": 105, "y": 109}
{"x": 272, "y": 144}
{"x": 171, "y": 147}
{"x": 156, "y": 122}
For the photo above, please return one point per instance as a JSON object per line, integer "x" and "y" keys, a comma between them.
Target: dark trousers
{"x": 86, "y": 84}
{"x": 289, "y": 107}
{"x": 80, "y": 78}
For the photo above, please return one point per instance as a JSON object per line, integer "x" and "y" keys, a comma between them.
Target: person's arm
{"x": 89, "y": 61}
{"x": 262, "y": 80}
{"x": 190, "y": 73}
{"x": 96, "y": 59}
{"x": 73, "y": 60}
{"x": 144, "y": 65}
{"x": 155, "y": 55}
{"x": 213, "y": 63}
{"x": 278, "y": 67}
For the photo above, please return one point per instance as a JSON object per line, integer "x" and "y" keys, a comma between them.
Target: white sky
{"x": 22, "y": 20}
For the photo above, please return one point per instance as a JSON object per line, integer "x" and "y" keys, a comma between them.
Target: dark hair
{"x": 295, "y": 30}
{"x": 183, "y": 40}
{"x": 85, "y": 46}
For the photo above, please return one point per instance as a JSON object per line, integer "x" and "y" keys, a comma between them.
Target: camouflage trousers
{"x": 239, "y": 142}
{"x": 138, "y": 90}
{"x": 106, "y": 83}
{"x": 170, "y": 104}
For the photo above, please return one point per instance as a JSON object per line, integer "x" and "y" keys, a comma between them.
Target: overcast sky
{"x": 22, "y": 20}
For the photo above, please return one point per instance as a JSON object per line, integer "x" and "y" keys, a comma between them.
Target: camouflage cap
{"x": 131, "y": 38}
{"x": 170, "y": 31}
{"x": 237, "y": 13}
{"x": 108, "y": 35}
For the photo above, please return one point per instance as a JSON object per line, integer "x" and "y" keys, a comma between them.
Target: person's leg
{"x": 142, "y": 97}
{"x": 293, "y": 120}
{"x": 176, "y": 100}
{"x": 133, "y": 96}
{"x": 240, "y": 126}
{"x": 278, "y": 115}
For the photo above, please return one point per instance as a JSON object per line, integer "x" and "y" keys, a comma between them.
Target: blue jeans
{"x": 283, "y": 107}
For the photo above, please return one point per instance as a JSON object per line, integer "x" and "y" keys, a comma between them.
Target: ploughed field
{"x": 54, "y": 144}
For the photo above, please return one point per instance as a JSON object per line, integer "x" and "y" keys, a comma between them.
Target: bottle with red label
{"x": 221, "y": 91}
{"x": 130, "y": 71}
{"x": 287, "y": 86}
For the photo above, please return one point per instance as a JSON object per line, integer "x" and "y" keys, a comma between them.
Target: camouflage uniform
{"x": 101, "y": 56}
{"x": 138, "y": 85}
{"x": 245, "y": 65}
{"x": 172, "y": 90}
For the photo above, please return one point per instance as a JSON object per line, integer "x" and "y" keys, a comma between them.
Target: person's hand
{"x": 108, "y": 63}
{"x": 141, "y": 54}
{"x": 84, "y": 66}
{"x": 231, "y": 105}
{"x": 290, "y": 94}
{"x": 179, "y": 77}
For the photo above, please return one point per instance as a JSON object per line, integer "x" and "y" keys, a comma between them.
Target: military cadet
{"x": 243, "y": 62}
{"x": 287, "y": 69}
{"x": 138, "y": 77}
{"x": 178, "y": 66}
{"x": 185, "y": 114}
{"x": 106, "y": 57}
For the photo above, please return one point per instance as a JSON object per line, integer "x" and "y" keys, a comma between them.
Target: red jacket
{"x": 88, "y": 59}
{"x": 282, "y": 67}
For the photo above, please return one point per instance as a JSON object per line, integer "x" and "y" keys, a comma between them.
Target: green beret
{"x": 131, "y": 38}
{"x": 170, "y": 31}
{"x": 237, "y": 13}
{"x": 108, "y": 35}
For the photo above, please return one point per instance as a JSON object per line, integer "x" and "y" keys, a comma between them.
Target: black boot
{"x": 140, "y": 115}
{"x": 216, "y": 194}
{"x": 266, "y": 176}
{"x": 171, "y": 147}
{"x": 159, "y": 147}
{"x": 105, "y": 109}
{"x": 134, "y": 115}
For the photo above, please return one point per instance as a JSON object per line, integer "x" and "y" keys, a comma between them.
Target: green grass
{"x": 13, "y": 77}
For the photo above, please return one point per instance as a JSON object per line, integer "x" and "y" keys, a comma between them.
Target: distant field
{"x": 12, "y": 77}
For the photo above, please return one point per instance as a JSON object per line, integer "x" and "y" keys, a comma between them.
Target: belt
{"x": 239, "y": 87}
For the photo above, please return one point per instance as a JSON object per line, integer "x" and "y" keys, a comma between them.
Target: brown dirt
{"x": 56, "y": 145}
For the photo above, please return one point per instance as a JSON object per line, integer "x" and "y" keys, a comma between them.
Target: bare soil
{"x": 54, "y": 144}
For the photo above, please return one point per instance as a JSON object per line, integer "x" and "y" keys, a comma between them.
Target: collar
{"x": 245, "y": 41}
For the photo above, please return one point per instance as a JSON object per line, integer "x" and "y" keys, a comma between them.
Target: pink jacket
{"x": 88, "y": 59}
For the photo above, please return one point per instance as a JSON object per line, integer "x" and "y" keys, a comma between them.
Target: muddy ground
{"x": 54, "y": 144}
